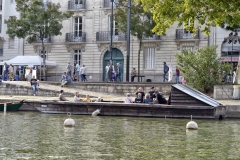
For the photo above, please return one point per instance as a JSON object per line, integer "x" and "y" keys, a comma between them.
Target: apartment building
{"x": 9, "y": 48}
{"x": 86, "y": 37}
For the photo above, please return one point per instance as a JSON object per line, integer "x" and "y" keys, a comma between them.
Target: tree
{"x": 141, "y": 22}
{"x": 37, "y": 21}
{"x": 205, "y": 12}
{"x": 202, "y": 69}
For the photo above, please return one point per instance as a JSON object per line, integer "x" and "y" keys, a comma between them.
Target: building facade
{"x": 9, "y": 48}
{"x": 85, "y": 40}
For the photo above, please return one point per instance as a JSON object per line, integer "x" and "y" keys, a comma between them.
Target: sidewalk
{"x": 70, "y": 89}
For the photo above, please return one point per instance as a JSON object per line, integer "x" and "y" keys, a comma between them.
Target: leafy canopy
{"x": 205, "y": 12}
{"x": 141, "y": 21}
{"x": 202, "y": 69}
{"x": 37, "y": 20}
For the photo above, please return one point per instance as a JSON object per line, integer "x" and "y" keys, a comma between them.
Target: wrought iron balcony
{"x": 108, "y": 3}
{"x": 154, "y": 37}
{"x": 76, "y": 4}
{"x": 183, "y": 34}
{"x": 76, "y": 37}
{"x": 106, "y": 36}
{"x": 45, "y": 40}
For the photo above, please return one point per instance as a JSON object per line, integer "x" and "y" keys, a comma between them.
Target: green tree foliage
{"x": 141, "y": 22}
{"x": 202, "y": 69}
{"x": 37, "y": 21}
{"x": 205, "y": 12}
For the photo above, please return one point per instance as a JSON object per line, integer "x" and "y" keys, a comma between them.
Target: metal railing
{"x": 45, "y": 40}
{"x": 105, "y": 36}
{"x": 183, "y": 34}
{"x": 76, "y": 37}
{"x": 154, "y": 37}
{"x": 73, "y": 5}
{"x": 108, "y": 3}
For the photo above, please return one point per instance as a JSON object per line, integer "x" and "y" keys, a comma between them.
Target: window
{"x": 77, "y": 57}
{"x": 78, "y": 2}
{"x": 115, "y": 30}
{"x": 1, "y": 52}
{"x": 12, "y": 1}
{"x": 78, "y": 27}
{"x": 41, "y": 54}
{"x": 149, "y": 58}
{"x": 187, "y": 48}
{"x": 11, "y": 42}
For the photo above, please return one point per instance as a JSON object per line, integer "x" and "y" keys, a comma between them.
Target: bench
{"x": 140, "y": 77}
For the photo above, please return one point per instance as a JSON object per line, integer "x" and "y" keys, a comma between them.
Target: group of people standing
{"x": 74, "y": 73}
{"x": 166, "y": 71}
{"x": 153, "y": 96}
{"x": 113, "y": 74}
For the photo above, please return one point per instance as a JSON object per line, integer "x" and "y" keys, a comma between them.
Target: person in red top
{"x": 177, "y": 75}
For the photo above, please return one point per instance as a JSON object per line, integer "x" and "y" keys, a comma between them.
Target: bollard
{"x": 5, "y": 107}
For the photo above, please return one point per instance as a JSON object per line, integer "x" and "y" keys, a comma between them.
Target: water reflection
{"x": 31, "y": 135}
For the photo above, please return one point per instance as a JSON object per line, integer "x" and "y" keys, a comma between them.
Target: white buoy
{"x": 95, "y": 113}
{"x": 192, "y": 124}
{"x": 69, "y": 122}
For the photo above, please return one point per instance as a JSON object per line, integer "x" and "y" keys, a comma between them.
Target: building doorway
{"x": 117, "y": 57}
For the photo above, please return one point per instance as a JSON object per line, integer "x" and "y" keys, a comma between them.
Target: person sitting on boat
{"x": 99, "y": 99}
{"x": 62, "y": 97}
{"x": 140, "y": 90}
{"x": 147, "y": 99}
{"x": 128, "y": 99}
{"x": 158, "y": 98}
{"x": 76, "y": 97}
{"x": 87, "y": 99}
{"x": 139, "y": 98}
{"x": 151, "y": 92}
{"x": 34, "y": 83}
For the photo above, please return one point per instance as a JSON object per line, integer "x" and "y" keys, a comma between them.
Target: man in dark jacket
{"x": 158, "y": 97}
{"x": 165, "y": 71}
{"x": 151, "y": 92}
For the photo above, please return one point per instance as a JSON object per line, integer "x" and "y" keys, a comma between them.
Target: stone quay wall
{"x": 121, "y": 88}
{"x": 223, "y": 92}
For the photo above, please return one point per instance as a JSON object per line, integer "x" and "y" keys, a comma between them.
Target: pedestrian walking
{"x": 177, "y": 75}
{"x": 118, "y": 73}
{"x": 69, "y": 69}
{"x": 165, "y": 71}
{"x": 106, "y": 71}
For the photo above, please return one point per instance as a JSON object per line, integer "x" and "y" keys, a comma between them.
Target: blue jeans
{"x": 5, "y": 75}
{"x": 82, "y": 77}
{"x": 177, "y": 79}
{"x": 164, "y": 77}
{"x": 34, "y": 88}
{"x": 118, "y": 77}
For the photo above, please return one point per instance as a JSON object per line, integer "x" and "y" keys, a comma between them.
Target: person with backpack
{"x": 165, "y": 70}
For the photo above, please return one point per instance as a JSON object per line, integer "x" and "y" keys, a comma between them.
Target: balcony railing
{"x": 105, "y": 36}
{"x": 45, "y": 40}
{"x": 75, "y": 5}
{"x": 108, "y": 3}
{"x": 154, "y": 37}
{"x": 76, "y": 37}
{"x": 183, "y": 34}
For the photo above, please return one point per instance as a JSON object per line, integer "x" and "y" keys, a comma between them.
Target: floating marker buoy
{"x": 69, "y": 122}
{"x": 192, "y": 124}
{"x": 95, "y": 113}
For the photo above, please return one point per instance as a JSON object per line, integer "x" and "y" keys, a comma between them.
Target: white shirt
{"x": 75, "y": 98}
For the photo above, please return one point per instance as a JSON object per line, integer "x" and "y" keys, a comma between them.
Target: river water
{"x": 32, "y": 135}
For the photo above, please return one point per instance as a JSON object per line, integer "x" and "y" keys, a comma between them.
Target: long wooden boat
{"x": 11, "y": 106}
{"x": 185, "y": 102}
{"x": 122, "y": 109}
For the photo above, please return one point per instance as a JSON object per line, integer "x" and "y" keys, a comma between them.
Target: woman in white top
{"x": 128, "y": 99}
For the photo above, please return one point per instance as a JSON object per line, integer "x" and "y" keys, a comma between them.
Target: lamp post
{"x": 128, "y": 39}
{"x": 110, "y": 47}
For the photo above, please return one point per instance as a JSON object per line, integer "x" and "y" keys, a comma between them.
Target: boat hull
{"x": 122, "y": 109}
{"x": 11, "y": 106}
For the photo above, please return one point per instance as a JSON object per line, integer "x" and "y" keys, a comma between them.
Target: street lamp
{"x": 110, "y": 47}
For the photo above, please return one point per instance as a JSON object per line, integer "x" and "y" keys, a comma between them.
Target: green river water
{"x": 32, "y": 135}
